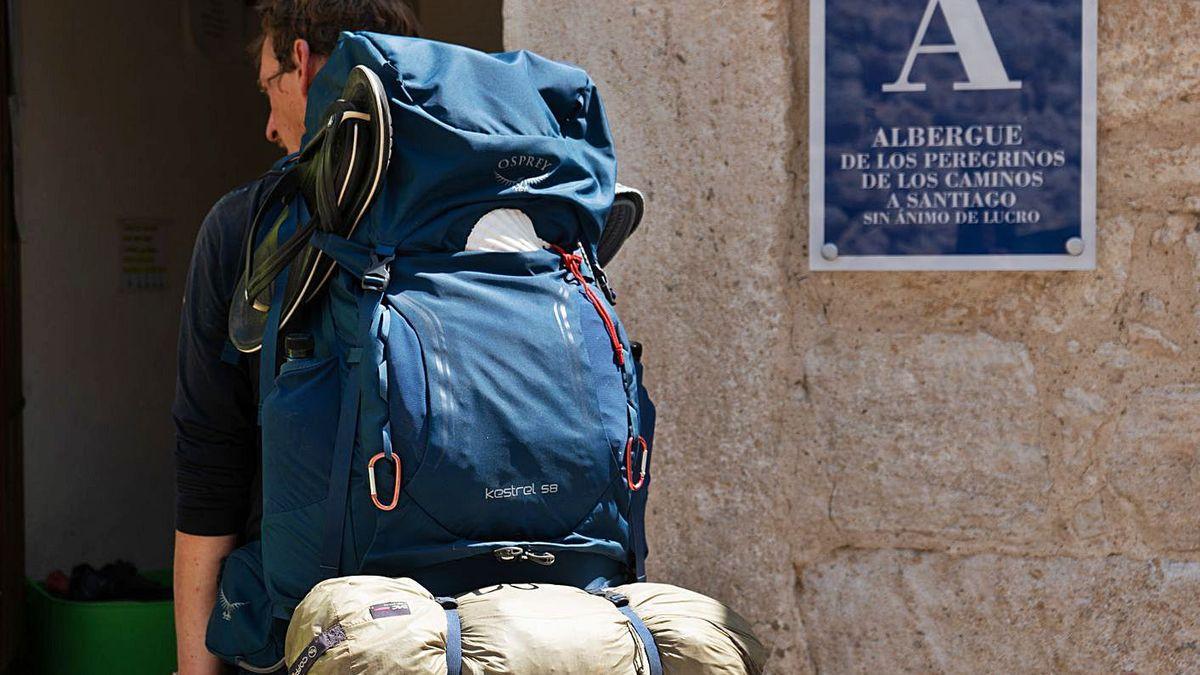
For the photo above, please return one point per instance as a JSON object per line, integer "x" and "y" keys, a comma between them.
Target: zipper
{"x": 573, "y": 262}
{"x": 514, "y": 553}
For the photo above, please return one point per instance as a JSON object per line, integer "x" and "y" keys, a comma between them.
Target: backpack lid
{"x": 474, "y": 132}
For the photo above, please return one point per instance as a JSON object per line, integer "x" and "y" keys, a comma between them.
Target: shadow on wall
{"x": 474, "y": 23}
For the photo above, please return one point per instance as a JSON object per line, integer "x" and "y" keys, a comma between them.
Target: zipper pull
{"x": 544, "y": 559}
{"x": 509, "y": 553}
{"x": 516, "y": 553}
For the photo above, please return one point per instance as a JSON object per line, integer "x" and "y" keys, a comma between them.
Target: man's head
{"x": 296, "y": 40}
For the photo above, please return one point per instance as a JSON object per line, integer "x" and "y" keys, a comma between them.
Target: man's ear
{"x": 305, "y": 67}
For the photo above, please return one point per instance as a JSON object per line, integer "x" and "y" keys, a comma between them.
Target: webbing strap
{"x": 646, "y": 420}
{"x": 321, "y": 643}
{"x": 343, "y": 449}
{"x": 639, "y": 627}
{"x": 339, "y": 478}
{"x": 637, "y": 526}
{"x": 267, "y": 363}
{"x": 646, "y": 637}
{"x": 351, "y": 256}
{"x": 453, "y": 636}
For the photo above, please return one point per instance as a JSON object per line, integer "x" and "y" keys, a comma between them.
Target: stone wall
{"x": 906, "y": 472}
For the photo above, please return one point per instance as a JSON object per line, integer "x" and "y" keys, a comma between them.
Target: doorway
{"x": 119, "y": 134}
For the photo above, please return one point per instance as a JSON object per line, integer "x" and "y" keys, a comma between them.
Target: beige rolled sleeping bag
{"x": 695, "y": 634}
{"x": 379, "y": 625}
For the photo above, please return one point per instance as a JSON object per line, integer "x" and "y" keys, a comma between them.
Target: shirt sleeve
{"x": 215, "y": 410}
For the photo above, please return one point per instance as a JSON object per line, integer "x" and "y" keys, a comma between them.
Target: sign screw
{"x": 829, "y": 251}
{"x": 1075, "y": 246}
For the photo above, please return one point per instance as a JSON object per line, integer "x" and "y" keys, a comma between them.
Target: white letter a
{"x": 972, "y": 42}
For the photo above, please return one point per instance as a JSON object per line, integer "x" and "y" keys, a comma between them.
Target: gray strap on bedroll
{"x": 453, "y": 636}
{"x": 639, "y": 627}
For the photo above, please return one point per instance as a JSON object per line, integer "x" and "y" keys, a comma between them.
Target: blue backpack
{"x": 460, "y": 417}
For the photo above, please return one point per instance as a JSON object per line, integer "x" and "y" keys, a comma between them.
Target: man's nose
{"x": 272, "y": 132}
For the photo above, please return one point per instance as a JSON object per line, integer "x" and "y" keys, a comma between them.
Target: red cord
{"x": 572, "y": 262}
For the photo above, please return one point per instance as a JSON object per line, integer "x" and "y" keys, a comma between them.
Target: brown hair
{"x": 321, "y": 21}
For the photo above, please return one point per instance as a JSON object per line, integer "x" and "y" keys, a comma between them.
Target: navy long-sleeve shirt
{"x": 217, "y": 450}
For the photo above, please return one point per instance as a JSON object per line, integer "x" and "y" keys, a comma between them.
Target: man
{"x": 217, "y": 450}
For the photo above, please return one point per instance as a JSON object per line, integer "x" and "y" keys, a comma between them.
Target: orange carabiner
{"x": 371, "y": 479}
{"x": 629, "y": 463}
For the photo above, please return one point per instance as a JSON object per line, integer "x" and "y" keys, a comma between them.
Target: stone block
{"x": 930, "y": 435}
{"x": 1152, "y": 462}
{"x": 912, "y": 612}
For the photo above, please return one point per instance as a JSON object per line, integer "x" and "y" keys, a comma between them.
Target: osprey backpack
{"x": 455, "y": 400}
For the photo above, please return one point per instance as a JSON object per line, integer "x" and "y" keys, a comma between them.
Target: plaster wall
{"x": 906, "y": 472}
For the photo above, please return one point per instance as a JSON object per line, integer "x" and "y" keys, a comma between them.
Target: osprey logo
{"x": 520, "y": 172}
{"x": 227, "y": 607}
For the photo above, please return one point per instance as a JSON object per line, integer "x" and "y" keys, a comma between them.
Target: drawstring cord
{"x": 573, "y": 263}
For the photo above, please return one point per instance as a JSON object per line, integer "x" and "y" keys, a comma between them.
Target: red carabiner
{"x": 371, "y": 479}
{"x": 629, "y": 463}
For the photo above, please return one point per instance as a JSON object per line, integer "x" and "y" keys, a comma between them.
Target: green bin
{"x": 98, "y": 638}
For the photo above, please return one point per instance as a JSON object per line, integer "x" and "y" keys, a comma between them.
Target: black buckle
{"x": 618, "y": 599}
{"x": 378, "y": 273}
{"x": 599, "y": 275}
{"x": 602, "y": 282}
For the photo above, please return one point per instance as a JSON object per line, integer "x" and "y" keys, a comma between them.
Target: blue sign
{"x": 952, "y": 134}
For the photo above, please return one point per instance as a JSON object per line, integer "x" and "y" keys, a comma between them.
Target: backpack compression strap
{"x": 371, "y": 267}
{"x": 622, "y": 604}
{"x": 453, "y": 636}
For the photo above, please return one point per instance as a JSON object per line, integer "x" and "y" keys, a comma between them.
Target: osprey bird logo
{"x": 227, "y": 607}
{"x": 522, "y": 185}
{"x": 514, "y": 172}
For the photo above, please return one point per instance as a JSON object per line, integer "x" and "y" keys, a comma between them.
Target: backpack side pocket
{"x": 241, "y": 628}
{"x": 299, "y": 426}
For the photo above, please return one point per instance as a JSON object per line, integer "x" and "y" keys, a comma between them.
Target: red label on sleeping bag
{"x": 386, "y": 609}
